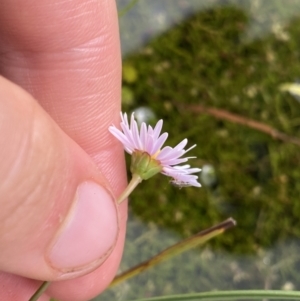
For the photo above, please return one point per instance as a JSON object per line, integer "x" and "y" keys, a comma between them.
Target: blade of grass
{"x": 230, "y": 295}
{"x": 127, "y": 8}
{"x": 184, "y": 245}
{"x": 40, "y": 291}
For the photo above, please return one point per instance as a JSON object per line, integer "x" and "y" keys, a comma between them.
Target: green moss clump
{"x": 205, "y": 61}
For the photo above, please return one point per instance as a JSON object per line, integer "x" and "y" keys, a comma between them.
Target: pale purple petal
{"x": 151, "y": 140}
{"x": 157, "y": 129}
{"x": 159, "y": 143}
{"x": 169, "y": 153}
{"x": 186, "y": 167}
{"x": 165, "y": 152}
{"x": 129, "y": 136}
{"x": 135, "y": 133}
{"x": 149, "y": 145}
{"x": 174, "y": 161}
{"x": 190, "y": 148}
{"x": 182, "y": 175}
{"x": 181, "y": 145}
{"x": 120, "y": 136}
{"x": 150, "y": 130}
{"x": 124, "y": 118}
{"x": 143, "y": 136}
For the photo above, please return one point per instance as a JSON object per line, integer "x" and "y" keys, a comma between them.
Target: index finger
{"x": 66, "y": 53}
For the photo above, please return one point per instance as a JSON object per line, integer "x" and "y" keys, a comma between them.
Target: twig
{"x": 259, "y": 126}
{"x": 176, "y": 249}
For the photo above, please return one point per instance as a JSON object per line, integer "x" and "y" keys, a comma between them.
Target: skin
{"x": 60, "y": 64}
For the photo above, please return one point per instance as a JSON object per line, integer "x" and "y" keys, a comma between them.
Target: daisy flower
{"x": 149, "y": 157}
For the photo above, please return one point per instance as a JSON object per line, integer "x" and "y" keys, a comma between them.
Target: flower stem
{"x": 40, "y": 291}
{"x": 135, "y": 180}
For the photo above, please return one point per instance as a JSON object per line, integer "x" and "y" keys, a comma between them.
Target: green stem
{"x": 135, "y": 180}
{"x": 230, "y": 295}
{"x": 128, "y": 7}
{"x": 40, "y": 291}
{"x": 176, "y": 249}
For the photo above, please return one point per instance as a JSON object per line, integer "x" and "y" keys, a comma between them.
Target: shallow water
{"x": 229, "y": 56}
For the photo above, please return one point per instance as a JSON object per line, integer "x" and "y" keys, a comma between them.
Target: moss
{"x": 205, "y": 61}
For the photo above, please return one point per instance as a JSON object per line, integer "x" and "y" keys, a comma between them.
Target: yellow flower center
{"x": 155, "y": 155}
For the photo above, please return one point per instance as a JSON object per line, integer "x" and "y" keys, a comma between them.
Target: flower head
{"x": 145, "y": 145}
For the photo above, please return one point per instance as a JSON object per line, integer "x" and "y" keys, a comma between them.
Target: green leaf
{"x": 230, "y": 295}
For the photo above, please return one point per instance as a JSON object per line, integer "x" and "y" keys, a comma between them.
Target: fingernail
{"x": 89, "y": 232}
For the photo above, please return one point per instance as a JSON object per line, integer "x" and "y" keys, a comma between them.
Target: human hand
{"x": 66, "y": 54}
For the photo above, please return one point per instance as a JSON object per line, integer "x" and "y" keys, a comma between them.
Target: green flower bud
{"x": 144, "y": 165}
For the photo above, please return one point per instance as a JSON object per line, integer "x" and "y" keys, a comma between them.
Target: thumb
{"x": 58, "y": 218}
